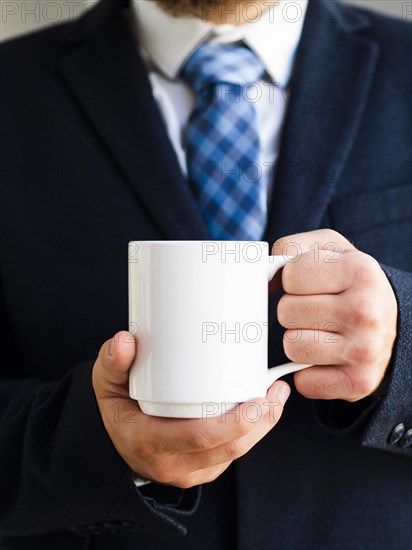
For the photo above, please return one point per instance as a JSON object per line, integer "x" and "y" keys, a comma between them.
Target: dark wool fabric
{"x": 86, "y": 166}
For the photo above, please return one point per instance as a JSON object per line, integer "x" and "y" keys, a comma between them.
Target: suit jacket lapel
{"x": 329, "y": 90}
{"x": 109, "y": 80}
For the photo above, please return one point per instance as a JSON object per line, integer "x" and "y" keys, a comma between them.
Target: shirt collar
{"x": 168, "y": 41}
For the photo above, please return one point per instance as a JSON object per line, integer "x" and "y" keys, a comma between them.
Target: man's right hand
{"x": 178, "y": 452}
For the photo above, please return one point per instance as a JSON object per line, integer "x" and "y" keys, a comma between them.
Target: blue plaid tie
{"x": 223, "y": 142}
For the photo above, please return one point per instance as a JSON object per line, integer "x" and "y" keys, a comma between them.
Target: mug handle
{"x": 276, "y": 263}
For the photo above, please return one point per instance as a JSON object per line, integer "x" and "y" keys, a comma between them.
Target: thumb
{"x": 115, "y": 359}
{"x": 278, "y": 392}
{"x": 274, "y": 402}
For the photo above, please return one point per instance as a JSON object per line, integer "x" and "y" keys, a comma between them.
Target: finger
{"x": 202, "y": 434}
{"x": 316, "y": 347}
{"x": 264, "y": 418}
{"x": 322, "y": 239}
{"x": 115, "y": 358}
{"x": 342, "y": 382}
{"x": 306, "y": 276}
{"x": 326, "y": 382}
{"x": 347, "y": 382}
{"x": 195, "y": 435}
{"x": 316, "y": 312}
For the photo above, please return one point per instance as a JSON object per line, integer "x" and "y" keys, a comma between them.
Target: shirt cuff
{"x": 139, "y": 482}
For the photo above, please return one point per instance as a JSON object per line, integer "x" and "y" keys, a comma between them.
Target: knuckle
{"x": 279, "y": 246}
{"x": 185, "y": 483}
{"x": 142, "y": 448}
{"x": 165, "y": 474}
{"x": 364, "y": 313}
{"x": 365, "y": 352}
{"x": 330, "y": 235}
{"x": 365, "y": 383}
{"x": 367, "y": 269}
{"x": 235, "y": 449}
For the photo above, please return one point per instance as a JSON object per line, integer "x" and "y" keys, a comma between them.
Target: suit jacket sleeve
{"x": 58, "y": 465}
{"x": 373, "y": 419}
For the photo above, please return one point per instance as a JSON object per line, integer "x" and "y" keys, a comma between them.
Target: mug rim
{"x": 202, "y": 241}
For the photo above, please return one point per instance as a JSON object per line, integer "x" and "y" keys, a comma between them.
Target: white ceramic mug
{"x": 199, "y": 312}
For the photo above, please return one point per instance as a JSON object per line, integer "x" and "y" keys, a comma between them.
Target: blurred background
{"x": 22, "y": 16}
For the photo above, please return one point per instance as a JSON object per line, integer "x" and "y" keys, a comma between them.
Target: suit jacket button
{"x": 406, "y": 440}
{"x": 397, "y": 434}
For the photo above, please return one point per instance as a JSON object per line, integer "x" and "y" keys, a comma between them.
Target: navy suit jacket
{"x": 86, "y": 166}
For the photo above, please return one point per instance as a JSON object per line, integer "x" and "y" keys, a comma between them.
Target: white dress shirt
{"x": 166, "y": 42}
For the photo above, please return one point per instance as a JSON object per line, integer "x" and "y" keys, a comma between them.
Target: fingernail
{"x": 283, "y": 393}
{"x": 109, "y": 353}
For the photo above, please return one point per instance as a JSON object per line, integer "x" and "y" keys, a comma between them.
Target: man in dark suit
{"x": 89, "y": 162}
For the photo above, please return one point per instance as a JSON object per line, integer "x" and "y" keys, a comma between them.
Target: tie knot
{"x": 218, "y": 63}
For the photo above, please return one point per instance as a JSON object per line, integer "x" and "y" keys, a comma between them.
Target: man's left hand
{"x": 340, "y": 313}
